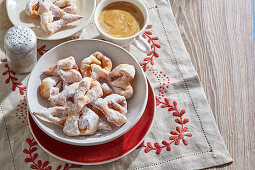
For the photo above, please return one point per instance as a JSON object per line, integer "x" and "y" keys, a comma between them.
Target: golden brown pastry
{"x": 96, "y": 66}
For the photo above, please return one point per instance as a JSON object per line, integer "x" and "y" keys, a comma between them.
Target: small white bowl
{"x": 81, "y": 49}
{"x": 17, "y": 15}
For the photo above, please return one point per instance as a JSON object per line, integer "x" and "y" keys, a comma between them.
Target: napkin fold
{"x": 184, "y": 134}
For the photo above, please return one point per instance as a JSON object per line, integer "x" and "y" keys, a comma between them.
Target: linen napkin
{"x": 184, "y": 134}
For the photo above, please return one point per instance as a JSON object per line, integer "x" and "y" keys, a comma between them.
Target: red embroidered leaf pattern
{"x": 148, "y": 35}
{"x": 176, "y": 114}
{"x": 178, "y": 129}
{"x": 175, "y": 104}
{"x": 33, "y": 150}
{"x": 39, "y": 165}
{"x": 149, "y": 145}
{"x": 158, "y": 151}
{"x": 48, "y": 168}
{"x": 171, "y": 109}
{"x": 29, "y": 141}
{"x": 149, "y": 26}
{"x": 146, "y": 150}
{"x": 182, "y": 112}
{"x": 143, "y": 65}
{"x": 165, "y": 142}
{"x": 148, "y": 32}
{"x": 185, "y": 121}
{"x": 42, "y": 50}
{"x": 45, "y": 164}
{"x": 167, "y": 101}
{"x": 185, "y": 129}
{"x": 59, "y": 167}
{"x": 39, "y": 162}
{"x": 163, "y": 106}
{"x": 185, "y": 142}
{"x": 12, "y": 79}
{"x": 178, "y": 121}
{"x": 173, "y": 132}
{"x": 157, "y": 145}
{"x": 157, "y": 101}
{"x": 25, "y": 151}
{"x": 66, "y": 165}
{"x": 176, "y": 136}
{"x": 172, "y": 137}
{"x": 168, "y": 147}
{"x": 34, "y": 156}
{"x": 32, "y": 166}
{"x": 177, "y": 141}
{"x": 188, "y": 134}
{"x": 27, "y": 160}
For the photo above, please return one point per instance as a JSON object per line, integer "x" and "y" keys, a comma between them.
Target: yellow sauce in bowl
{"x": 121, "y": 19}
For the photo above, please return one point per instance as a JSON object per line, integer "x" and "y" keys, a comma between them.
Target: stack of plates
{"x": 91, "y": 150}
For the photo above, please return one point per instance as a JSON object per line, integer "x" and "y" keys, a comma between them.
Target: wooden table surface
{"x": 219, "y": 37}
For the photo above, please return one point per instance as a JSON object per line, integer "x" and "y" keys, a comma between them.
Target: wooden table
{"x": 219, "y": 37}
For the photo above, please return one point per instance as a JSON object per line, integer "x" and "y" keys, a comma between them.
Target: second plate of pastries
{"x": 51, "y": 19}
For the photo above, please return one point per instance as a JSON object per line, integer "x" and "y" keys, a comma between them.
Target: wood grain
{"x": 5, "y": 23}
{"x": 219, "y": 37}
{"x": 220, "y": 40}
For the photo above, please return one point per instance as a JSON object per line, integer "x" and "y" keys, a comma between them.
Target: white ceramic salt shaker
{"x": 20, "y": 45}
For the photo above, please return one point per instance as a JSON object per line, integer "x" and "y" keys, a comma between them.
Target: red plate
{"x": 98, "y": 154}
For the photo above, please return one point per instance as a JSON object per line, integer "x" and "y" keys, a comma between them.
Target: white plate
{"x": 80, "y": 49}
{"x": 17, "y": 15}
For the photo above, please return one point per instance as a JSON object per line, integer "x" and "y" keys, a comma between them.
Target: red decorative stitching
{"x": 21, "y": 111}
{"x": 42, "y": 50}
{"x": 68, "y": 166}
{"x": 162, "y": 79}
{"x": 11, "y": 78}
{"x": 148, "y": 35}
{"x": 76, "y": 37}
{"x": 39, "y": 165}
{"x": 32, "y": 156}
{"x": 177, "y": 135}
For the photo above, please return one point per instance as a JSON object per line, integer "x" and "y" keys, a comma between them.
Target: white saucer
{"x": 17, "y": 15}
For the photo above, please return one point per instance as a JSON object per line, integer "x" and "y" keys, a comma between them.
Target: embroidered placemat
{"x": 184, "y": 134}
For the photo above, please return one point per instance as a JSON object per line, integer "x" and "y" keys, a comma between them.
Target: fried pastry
{"x": 81, "y": 124}
{"x": 95, "y": 109}
{"x": 96, "y": 66}
{"x": 68, "y": 70}
{"x": 48, "y": 12}
{"x": 88, "y": 91}
{"x": 126, "y": 90}
{"x": 32, "y": 7}
{"x": 119, "y": 79}
{"x": 55, "y": 114}
{"x": 62, "y": 98}
{"x": 71, "y": 127}
{"x": 51, "y": 71}
{"x": 65, "y": 84}
{"x": 103, "y": 125}
{"x": 121, "y": 75}
{"x": 69, "y": 6}
{"x": 88, "y": 122}
{"x": 107, "y": 90}
{"x": 114, "y": 107}
{"x": 50, "y": 86}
